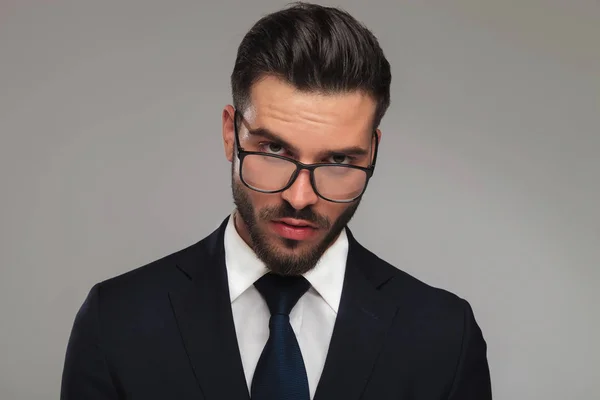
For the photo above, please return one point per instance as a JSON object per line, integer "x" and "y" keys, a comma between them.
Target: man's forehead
{"x": 276, "y": 94}
{"x": 273, "y": 100}
{"x": 303, "y": 132}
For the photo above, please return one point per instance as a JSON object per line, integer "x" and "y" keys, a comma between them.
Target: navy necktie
{"x": 280, "y": 373}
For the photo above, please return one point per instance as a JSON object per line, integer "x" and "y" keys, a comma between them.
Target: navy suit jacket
{"x": 166, "y": 331}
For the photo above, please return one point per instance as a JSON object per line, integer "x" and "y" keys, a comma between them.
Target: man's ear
{"x": 378, "y": 136}
{"x": 228, "y": 131}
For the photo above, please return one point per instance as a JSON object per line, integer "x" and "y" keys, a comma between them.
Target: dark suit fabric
{"x": 166, "y": 331}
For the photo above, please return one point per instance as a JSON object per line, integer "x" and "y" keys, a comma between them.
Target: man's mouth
{"x": 300, "y": 223}
{"x": 294, "y": 229}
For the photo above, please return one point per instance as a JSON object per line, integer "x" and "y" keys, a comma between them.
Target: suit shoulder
{"x": 433, "y": 312}
{"x": 159, "y": 275}
{"x": 403, "y": 287}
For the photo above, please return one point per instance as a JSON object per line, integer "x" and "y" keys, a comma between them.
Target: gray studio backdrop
{"x": 488, "y": 182}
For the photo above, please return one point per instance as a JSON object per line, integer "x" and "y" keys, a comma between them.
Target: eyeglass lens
{"x": 271, "y": 174}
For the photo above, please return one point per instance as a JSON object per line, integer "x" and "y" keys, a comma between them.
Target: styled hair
{"x": 315, "y": 49}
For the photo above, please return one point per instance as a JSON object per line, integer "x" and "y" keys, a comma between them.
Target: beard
{"x": 274, "y": 256}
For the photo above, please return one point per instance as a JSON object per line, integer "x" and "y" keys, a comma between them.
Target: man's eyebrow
{"x": 273, "y": 137}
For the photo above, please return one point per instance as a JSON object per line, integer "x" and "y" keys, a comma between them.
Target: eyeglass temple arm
{"x": 375, "y": 151}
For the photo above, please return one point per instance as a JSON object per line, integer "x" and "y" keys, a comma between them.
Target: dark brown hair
{"x": 316, "y": 49}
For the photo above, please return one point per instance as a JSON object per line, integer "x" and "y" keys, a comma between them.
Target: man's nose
{"x": 301, "y": 194}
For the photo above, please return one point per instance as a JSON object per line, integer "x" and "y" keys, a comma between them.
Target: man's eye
{"x": 340, "y": 159}
{"x": 272, "y": 148}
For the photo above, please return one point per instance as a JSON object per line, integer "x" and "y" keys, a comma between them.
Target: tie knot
{"x": 281, "y": 292}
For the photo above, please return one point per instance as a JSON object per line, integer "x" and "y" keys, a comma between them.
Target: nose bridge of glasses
{"x": 301, "y": 188}
{"x": 302, "y": 178}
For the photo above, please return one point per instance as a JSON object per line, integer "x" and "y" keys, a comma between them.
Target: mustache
{"x": 287, "y": 211}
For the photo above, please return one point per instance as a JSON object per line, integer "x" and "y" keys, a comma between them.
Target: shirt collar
{"x": 244, "y": 267}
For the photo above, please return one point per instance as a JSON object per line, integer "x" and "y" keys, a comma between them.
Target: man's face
{"x": 290, "y": 230}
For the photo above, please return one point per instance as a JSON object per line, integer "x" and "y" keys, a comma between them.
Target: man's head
{"x": 310, "y": 84}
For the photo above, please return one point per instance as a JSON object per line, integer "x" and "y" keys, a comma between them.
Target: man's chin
{"x": 285, "y": 256}
{"x": 292, "y": 247}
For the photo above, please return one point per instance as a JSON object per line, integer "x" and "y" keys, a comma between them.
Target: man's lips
{"x": 296, "y": 222}
{"x": 290, "y": 228}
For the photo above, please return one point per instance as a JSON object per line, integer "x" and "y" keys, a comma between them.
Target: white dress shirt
{"x": 312, "y": 318}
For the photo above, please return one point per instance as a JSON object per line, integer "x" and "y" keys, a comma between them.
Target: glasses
{"x": 273, "y": 173}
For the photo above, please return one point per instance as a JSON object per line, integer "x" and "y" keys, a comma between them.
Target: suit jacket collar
{"x": 203, "y": 313}
{"x": 360, "y": 328}
{"x": 205, "y": 320}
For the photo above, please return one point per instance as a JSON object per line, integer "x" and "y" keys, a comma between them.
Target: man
{"x": 281, "y": 302}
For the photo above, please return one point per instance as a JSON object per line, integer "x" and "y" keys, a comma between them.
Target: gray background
{"x": 488, "y": 184}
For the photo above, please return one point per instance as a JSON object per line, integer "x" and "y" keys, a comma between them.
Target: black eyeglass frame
{"x": 241, "y": 154}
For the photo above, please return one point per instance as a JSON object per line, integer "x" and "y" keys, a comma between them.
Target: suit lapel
{"x": 205, "y": 321}
{"x": 363, "y": 319}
